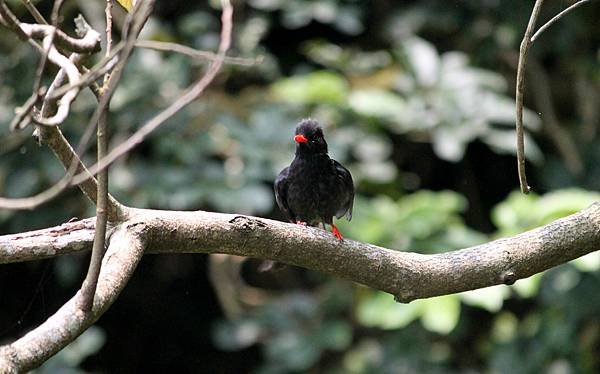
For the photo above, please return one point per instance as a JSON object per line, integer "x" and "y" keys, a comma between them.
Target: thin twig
{"x": 101, "y": 68}
{"x": 523, "y": 50}
{"x": 108, "y": 14}
{"x": 23, "y": 113}
{"x": 36, "y": 200}
{"x": 34, "y": 12}
{"x": 195, "y": 53}
{"x": 89, "y": 42}
{"x": 556, "y": 18}
{"x": 186, "y": 98}
{"x": 11, "y": 21}
{"x": 73, "y": 75}
{"x": 42, "y": 64}
{"x": 88, "y": 288}
{"x": 54, "y": 139}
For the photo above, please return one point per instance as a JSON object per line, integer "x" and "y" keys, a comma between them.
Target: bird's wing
{"x": 348, "y": 188}
{"x": 281, "y": 188}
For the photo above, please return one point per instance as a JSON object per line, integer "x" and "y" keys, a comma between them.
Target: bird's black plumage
{"x": 314, "y": 188}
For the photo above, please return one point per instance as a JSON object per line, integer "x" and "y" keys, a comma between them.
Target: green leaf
{"x": 378, "y": 103}
{"x": 314, "y": 88}
{"x": 528, "y": 287}
{"x": 440, "y": 314}
{"x": 589, "y": 262}
{"x": 489, "y": 298}
{"x": 380, "y": 310}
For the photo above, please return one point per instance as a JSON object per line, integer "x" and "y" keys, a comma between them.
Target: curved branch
{"x": 69, "y": 321}
{"x": 556, "y": 18}
{"x": 523, "y": 51}
{"x": 88, "y": 43}
{"x": 406, "y": 275}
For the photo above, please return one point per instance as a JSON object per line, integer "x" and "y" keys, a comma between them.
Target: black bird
{"x": 314, "y": 188}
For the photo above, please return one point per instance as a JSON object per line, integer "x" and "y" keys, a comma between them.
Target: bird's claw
{"x": 336, "y": 232}
{"x": 301, "y": 223}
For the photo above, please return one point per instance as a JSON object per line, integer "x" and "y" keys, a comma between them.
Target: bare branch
{"x": 68, "y": 322}
{"x": 186, "y": 98}
{"x": 524, "y": 49}
{"x": 56, "y": 140}
{"x": 89, "y": 37}
{"x": 195, "y": 53}
{"x": 89, "y": 43}
{"x": 53, "y": 137}
{"x": 88, "y": 288}
{"x": 406, "y": 275}
{"x": 35, "y": 12}
{"x": 102, "y": 67}
{"x": 42, "y": 63}
{"x": 556, "y": 18}
{"x": 10, "y": 20}
{"x": 23, "y": 113}
{"x": 31, "y": 202}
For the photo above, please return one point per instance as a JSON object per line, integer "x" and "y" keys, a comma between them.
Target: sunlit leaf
{"x": 505, "y": 327}
{"x": 528, "y": 287}
{"x": 489, "y": 298}
{"x": 380, "y": 310}
{"x": 440, "y": 314}
{"x": 423, "y": 59}
{"x": 378, "y": 103}
{"x": 314, "y": 88}
{"x": 127, "y": 4}
{"x": 589, "y": 262}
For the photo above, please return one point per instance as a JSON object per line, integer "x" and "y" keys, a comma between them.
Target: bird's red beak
{"x": 300, "y": 139}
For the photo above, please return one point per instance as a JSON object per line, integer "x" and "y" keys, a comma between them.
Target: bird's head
{"x": 309, "y": 138}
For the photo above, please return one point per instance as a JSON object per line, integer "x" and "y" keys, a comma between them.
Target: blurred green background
{"x": 416, "y": 99}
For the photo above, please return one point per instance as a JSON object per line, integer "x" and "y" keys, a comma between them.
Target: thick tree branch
{"x": 406, "y": 275}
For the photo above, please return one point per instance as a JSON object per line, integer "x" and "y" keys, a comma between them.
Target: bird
{"x": 314, "y": 188}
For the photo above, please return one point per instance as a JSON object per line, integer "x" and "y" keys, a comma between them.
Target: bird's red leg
{"x": 301, "y": 223}
{"x": 336, "y": 232}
